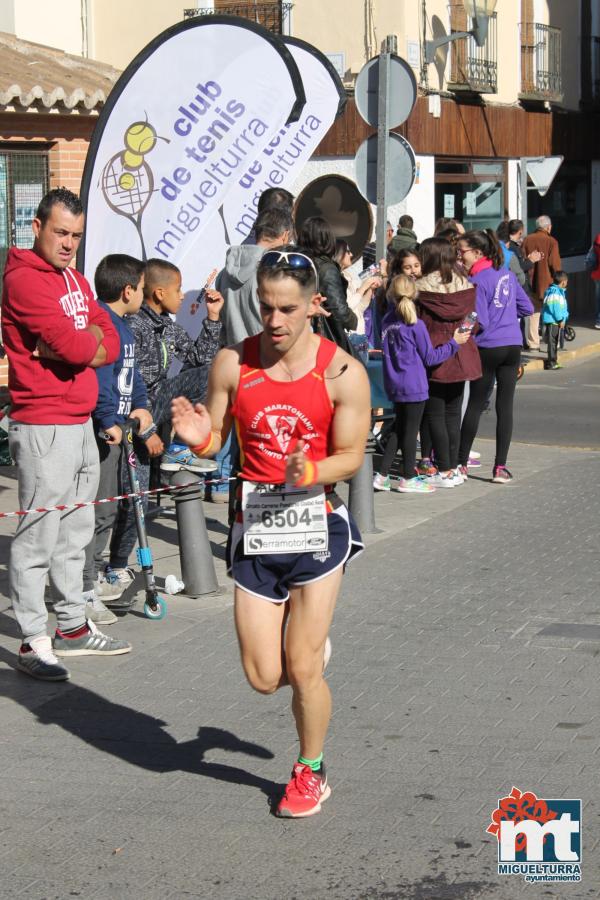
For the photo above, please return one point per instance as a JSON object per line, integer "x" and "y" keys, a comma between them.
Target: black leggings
{"x": 425, "y": 437}
{"x": 404, "y": 435}
{"x": 442, "y": 413}
{"x": 501, "y": 364}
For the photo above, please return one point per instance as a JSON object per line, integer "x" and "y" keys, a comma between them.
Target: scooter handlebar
{"x": 130, "y": 426}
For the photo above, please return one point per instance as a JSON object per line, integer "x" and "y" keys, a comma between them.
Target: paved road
{"x": 148, "y": 777}
{"x": 556, "y": 408}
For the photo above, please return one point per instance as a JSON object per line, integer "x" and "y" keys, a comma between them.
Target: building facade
{"x": 532, "y": 90}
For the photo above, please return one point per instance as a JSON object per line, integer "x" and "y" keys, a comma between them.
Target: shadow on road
{"x": 132, "y": 736}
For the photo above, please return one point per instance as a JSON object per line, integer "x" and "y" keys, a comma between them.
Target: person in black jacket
{"x": 317, "y": 237}
{"x": 515, "y": 235}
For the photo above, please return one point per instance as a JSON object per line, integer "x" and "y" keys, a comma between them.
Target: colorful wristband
{"x": 203, "y": 449}
{"x": 310, "y": 475}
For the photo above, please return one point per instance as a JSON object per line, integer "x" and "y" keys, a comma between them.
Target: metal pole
{"x": 523, "y": 183}
{"x": 195, "y": 554}
{"x": 383, "y": 110}
{"x": 361, "y": 496}
{"x": 424, "y": 66}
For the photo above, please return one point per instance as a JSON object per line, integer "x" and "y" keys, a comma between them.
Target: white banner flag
{"x": 284, "y": 157}
{"x": 177, "y": 134}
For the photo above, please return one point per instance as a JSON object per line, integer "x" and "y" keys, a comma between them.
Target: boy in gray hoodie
{"x": 237, "y": 281}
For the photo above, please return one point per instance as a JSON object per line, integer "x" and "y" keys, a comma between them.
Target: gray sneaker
{"x": 96, "y": 612}
{"x": 37, "y": 659}
{"x": 107, "y": 590}
{"x": 94, "y": 643}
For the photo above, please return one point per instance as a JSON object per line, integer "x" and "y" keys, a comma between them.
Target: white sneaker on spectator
{"x": 443, "y": 480}
{"x": 124, "y": 577}
{"x": 105, "y": 589}
{"x": 37, "y": 659}
{"x": 112, "y": 584}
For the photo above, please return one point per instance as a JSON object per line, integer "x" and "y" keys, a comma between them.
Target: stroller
{"x": 567, "y": 333}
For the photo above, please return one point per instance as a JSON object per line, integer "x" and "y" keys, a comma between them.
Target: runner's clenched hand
{"x": 296, "y": 463}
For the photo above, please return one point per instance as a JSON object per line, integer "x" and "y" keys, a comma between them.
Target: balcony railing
{"x": 274, "y": 16}
{"x": 475, "y": 69}
{"x": 541, "y": 62}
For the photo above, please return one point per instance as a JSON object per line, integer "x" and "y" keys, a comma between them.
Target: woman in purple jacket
{"x": 501, "y": 301}
{"x": 407, "y": 350}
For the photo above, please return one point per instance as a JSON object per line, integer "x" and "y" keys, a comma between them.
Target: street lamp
{"x": 480, "y": 12}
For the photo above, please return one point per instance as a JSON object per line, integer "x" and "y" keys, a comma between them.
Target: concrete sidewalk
{"x": 466, "y": 647}
{"x": 585, "y": 345}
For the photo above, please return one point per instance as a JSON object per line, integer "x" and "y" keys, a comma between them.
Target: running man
{"x": 292, "y": 535}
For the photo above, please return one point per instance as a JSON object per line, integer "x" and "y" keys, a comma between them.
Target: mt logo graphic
{"x": 539, "y": 839}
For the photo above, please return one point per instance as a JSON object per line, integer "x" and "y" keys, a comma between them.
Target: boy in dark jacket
{"x": 119, "y": 282}
{"x": 164, "y": 348}
{"x": 405, "y": 238}
{"x": 159, "y": 339}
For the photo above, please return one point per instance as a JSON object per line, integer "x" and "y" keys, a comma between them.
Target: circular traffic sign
{"x": 400, "y": 164}
{"x": 402, "y": 91}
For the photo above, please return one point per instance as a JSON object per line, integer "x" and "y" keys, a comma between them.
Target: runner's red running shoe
{"x": 304, "y": 794}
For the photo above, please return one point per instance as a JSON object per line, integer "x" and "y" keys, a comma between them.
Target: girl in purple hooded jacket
{"x": 501, "y": 301}
{"x": 407, "y": 351}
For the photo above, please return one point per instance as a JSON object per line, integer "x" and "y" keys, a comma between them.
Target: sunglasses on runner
{"x": 288, "y": 259}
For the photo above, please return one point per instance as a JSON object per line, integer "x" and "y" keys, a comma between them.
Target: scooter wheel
{"x": 158, "y": 613}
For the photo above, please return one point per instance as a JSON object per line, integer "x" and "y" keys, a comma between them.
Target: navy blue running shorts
{"x": 270, "y": 576}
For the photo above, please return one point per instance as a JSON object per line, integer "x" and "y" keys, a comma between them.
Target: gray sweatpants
{"x": 124, "y": 536}
{"x": 57, "y": 464}
{"x": 105, "y": 514}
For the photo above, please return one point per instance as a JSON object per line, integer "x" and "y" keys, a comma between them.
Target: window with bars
{"x": 473, "y": 69}
{"x": 541, "y": 62}
{"x": 23, "y": 183}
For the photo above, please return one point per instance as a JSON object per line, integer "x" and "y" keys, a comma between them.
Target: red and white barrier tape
{"x": 65, "y": 507}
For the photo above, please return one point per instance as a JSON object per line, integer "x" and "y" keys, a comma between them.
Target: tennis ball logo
{"x": 132, "y": 160}
{"x": 140, "y": 138}
{"x": 127, "y": 181}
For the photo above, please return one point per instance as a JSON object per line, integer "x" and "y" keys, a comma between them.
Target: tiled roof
{"x": 35, "y": 75}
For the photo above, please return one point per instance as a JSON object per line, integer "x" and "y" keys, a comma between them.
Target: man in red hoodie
{"x": 55, "y": 334}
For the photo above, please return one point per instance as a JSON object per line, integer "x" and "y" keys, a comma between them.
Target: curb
{"x": 536, "y": 364}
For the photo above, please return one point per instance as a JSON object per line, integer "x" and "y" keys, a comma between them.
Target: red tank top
{"x": 270, "y": 416}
